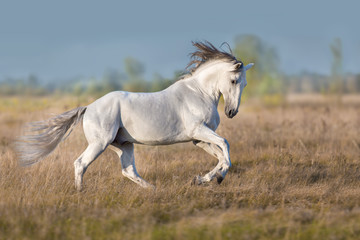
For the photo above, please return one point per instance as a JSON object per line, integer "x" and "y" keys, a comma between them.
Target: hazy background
{"x": 126, "y": 44}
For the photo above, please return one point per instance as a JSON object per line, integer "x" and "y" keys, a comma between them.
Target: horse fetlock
{"x": 149, "y": 186}
{"x": 78, "y": 182}
{"x": 224, "y": 169}
{"x": 128, "y": 174}
{"x": 79, "y": 172}
{"x": 78, "y": 186}
{"x": 197, "y": 180}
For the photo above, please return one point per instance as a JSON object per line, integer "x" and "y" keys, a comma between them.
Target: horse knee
{"x": 225, "y": 144}
{"x": 226, "y": 149}
{"x": 224, "y": 168}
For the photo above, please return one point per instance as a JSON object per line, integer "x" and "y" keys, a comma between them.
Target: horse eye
{"x": 233, "y": 81}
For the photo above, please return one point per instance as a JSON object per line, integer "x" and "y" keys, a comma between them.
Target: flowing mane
{"x": 205, "y": 52}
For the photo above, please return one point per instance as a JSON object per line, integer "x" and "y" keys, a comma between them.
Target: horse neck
{"x": 207, "y": 78}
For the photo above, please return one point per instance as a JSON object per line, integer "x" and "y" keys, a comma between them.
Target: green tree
{"x": 253, "y": 49}
{"x": 159, "y": 83}
{"x": 33, "y": 81}
{"x": 135, "y": 70}
{"x": 94, "y": 89}
{"x": 336, "y": 85}
{"x": 265, "y": 78}
{"x": 113, "y": 80}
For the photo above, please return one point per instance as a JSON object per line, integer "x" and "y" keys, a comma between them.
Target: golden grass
{"x": 295, "y": 175}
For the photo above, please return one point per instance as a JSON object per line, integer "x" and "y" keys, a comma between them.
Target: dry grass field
{"x": 295, "y": 175}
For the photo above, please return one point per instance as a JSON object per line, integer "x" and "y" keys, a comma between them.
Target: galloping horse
{"x": 185, "y": 111}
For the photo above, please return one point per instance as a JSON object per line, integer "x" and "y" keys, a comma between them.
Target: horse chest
{"x": 212, "y": 119}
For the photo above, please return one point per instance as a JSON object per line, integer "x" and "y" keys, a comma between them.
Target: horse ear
{"x": 237, "y": 66}
{"x": 247, "y": 67}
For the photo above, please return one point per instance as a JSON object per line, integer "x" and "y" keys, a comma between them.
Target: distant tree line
{"x": 131, "y": 80}
{"x": 266, "y": 78}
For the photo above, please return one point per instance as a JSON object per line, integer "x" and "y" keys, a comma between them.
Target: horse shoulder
{"x": 196, "y": 110}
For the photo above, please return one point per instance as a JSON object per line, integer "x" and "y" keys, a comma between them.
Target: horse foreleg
{"x": 126, "y": 155}
{"x": 216, "y": 152}
{"x": 217, "y": 147}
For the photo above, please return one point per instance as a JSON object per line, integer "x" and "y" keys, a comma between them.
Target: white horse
{"x": 185, "y": 111}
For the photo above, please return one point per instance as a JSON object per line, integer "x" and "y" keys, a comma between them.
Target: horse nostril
{"x": 231, "y": 112}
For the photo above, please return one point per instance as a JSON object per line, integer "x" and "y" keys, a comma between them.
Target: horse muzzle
{"x": 230, "y": 113}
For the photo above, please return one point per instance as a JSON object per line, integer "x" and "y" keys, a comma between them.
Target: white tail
{"x": 44, "y": 136}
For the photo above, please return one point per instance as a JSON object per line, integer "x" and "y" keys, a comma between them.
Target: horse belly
{"x": 152, "y": 131}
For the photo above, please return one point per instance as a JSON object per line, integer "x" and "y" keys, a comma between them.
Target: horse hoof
{"x": 196, "y": 181}
{"x": 79, "y": 188}
{"x": 151, "y": 187}
{"x": 219, "y": 178}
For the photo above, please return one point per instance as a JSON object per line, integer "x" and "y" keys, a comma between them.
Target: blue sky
{"x": 65, "y": 39}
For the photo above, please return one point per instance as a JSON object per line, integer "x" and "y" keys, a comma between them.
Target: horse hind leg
{"x": 126, "y": 155}
{"x": 86, "y": 158}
